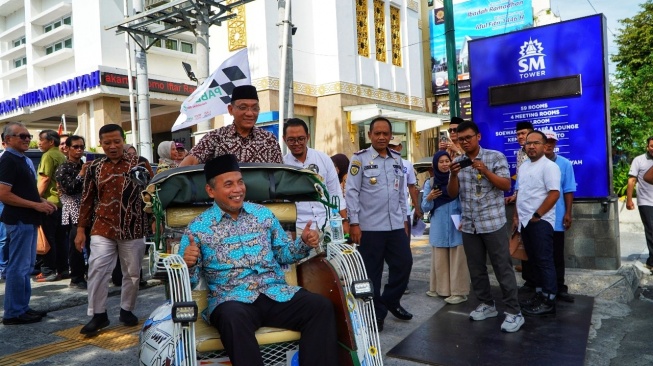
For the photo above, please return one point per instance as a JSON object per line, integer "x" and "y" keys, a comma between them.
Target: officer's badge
{"x": 355, "y": 168}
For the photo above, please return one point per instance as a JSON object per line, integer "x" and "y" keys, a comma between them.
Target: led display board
{"x": 554, "y": 76}
{"x": 472, "y": 19}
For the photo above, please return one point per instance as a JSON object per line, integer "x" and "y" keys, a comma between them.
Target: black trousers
{"x": 538, "y": 242}
{"x": 646, "y": 214}
{"x": 78, "y": 267}
{"x": 393, "y": 248}
{"x": 56, "y": 259}
{"x": 309, "y": 313}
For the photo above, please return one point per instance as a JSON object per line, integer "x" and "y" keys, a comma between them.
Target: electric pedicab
{"x": 174, "y": 334}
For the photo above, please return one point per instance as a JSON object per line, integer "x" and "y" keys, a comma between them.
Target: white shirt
{"x": 322, "y": 164}
{"x": 409, "y": 173}
{"x": 638, "y": 168}
{"x": 535, "y": 180}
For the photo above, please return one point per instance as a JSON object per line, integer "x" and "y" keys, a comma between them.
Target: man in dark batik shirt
{"x": 249, "y": 143}
{"x": 70, "y": 181}
{"x": 113, "y": 209}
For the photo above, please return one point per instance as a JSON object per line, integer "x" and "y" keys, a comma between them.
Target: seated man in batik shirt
{"x": 238, "y": 248}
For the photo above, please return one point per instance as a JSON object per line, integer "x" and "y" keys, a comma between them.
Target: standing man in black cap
{"x": 249, "y": 143}
{"x": 238, "y": 247}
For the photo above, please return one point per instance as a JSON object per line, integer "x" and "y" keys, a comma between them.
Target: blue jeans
{"x": 22, "y": 255}
{"x": 4, "y": 250}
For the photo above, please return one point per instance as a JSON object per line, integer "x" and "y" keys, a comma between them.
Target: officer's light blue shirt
{"x": 375, "y": 191}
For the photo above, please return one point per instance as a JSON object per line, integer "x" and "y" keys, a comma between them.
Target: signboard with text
{"x": 472, "y": 19}
{"x": 554, "y": 76}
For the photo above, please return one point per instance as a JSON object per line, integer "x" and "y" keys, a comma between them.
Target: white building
{"x": 352, "y": 61}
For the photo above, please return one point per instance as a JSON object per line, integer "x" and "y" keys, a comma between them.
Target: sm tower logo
{"x": 531, "y": 63}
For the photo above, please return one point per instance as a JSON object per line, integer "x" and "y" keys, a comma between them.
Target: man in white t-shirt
{"x": 411, "y": 181}
{"x": 640, "y": 165}
{"x": 296, "y": 136}
{"x": 539, "y": 189}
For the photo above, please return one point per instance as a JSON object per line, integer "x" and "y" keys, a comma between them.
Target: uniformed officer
{"x": 376, "y": 201}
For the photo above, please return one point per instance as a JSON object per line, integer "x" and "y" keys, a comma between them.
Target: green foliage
{"x": 620, "y": 179}
{"x": 631, "y": 95}
{"x": 636, "y": 40}
{"x": 33, "y": 144}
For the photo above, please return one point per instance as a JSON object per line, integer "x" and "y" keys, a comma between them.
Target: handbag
{"x": 42, "y": 244}
{"x": 517, "y": 249}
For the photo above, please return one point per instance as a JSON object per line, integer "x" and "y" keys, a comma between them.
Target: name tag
{"x": 370, "y": 167}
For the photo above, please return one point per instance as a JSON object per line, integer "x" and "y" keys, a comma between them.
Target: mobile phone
{"x": 465, "y": 163}
{"x": 443, "y": 137}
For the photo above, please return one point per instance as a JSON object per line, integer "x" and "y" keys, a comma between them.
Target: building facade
{"x": 352, "y": 60}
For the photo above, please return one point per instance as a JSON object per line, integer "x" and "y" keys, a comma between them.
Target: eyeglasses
{"x": 533, "y": 143}
{"x": 293, "y": 141}
{"x": 469, "y": 138}
{"x": 244, "y": 108}
{"x": 23, "y": 136}
{"x": 78, "y": 147}
{"x": 453, "y": 130}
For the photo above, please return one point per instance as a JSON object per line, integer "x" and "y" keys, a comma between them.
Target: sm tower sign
{"x": 555, "y": 77}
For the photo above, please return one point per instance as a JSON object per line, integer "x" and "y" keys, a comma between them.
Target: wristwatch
{"x": 536, "y": 215}
{"x": 345, "y": 219}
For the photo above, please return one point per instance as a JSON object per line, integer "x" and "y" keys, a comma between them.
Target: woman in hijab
{"x": 449, "y": 273}
{"x": 130, "y": 149}
{"x": 167, "y": 151}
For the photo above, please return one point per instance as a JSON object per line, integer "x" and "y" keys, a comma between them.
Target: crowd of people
{"x": 92, "y": 213}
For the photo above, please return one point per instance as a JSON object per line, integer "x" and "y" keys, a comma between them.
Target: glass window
{"x": 47, "y": 28}
{"x": 20, "y": 62}
{"x": 68, "y": 43}
{"x": 66, "y": 20}
{"x": 186, "y": 47}
{"x": 58, "y": 46}
{"x": 49, "y": 50}
{"x": 155, "y": 41}
{"x": 171, "y": 44}
{"x": 57, "y": 24}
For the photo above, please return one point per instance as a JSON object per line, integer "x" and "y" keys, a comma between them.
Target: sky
{"x": 614, "y": 10}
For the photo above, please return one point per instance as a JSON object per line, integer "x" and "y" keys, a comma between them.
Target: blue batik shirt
{"x": 242, "y": 258}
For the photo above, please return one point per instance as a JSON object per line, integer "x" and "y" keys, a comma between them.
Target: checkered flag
{"x": 213, "y": 96}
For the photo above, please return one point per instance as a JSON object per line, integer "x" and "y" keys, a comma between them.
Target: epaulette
{"x": 360, "y": 152}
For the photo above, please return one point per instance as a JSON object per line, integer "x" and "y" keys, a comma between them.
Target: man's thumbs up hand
{"x": 191, "y": 253}
{"x": 310, "y": 237}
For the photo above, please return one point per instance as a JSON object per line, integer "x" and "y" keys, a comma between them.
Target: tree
{"x": 631, "y": 94}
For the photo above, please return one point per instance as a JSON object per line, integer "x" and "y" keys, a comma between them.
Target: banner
{"x": 213, "y": 96}
{"x": 472, "y": 19}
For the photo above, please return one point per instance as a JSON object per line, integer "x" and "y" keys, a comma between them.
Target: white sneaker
{"x": 512, "y": 323}
{"x": 432, "y": 294}
{"x": 483, "y": 311}
{"x": 455, "y": 299}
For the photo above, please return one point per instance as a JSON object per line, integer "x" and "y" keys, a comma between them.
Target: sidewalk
{"x": 618, "y": 334}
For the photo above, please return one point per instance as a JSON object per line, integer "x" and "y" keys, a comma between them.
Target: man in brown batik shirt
{"x": 112, "y": 206}
{"x": 249, "y": 143}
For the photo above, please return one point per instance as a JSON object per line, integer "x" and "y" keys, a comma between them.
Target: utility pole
{"x": 143, "y": 95}
{"x": 286, "y": 99}
{"x": 452, "y": 66}
{"x": 202, "y": 71}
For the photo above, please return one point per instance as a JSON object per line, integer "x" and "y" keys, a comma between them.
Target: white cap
{"x": 550, "y": 134}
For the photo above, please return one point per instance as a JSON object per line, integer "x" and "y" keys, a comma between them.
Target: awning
{"x": 367, "y": 112}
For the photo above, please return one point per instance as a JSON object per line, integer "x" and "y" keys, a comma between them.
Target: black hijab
{"x": 440, "y": 181}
